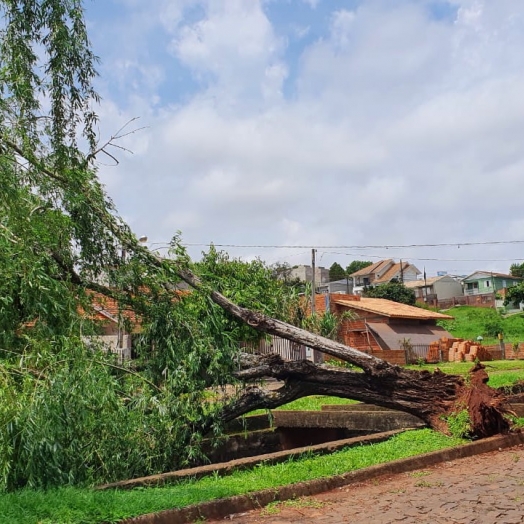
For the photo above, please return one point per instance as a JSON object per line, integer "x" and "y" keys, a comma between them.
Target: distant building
{"x": 383, "y": 272}
{"x": 435, "y": 288}
{"x": 484, "y": 282}
{"x": 337, "y": 286}
{"x": 305, "y": 274}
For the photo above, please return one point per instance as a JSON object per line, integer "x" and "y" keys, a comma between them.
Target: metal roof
{"x": 391, "y": 336}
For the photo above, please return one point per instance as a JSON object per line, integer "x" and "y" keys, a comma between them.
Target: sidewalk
{"x": 483, "y": 489}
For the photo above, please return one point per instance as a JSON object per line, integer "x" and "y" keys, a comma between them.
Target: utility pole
{"x": 313, "y": 283}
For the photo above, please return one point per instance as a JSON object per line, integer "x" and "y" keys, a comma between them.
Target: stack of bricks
{"x": 439, "y": 350}
{"x": 433, "y": 353}
{"x": 467, "y": 351}
{"x": 446, "y": 344}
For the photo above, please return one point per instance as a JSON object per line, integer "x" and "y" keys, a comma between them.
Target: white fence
{"x": 119, "y": 345}
{"x": 286, "y": 349}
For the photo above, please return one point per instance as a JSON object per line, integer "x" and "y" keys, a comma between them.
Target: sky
{"x": 367, "y": 129}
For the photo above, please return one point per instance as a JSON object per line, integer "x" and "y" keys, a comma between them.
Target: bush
{"x": 83, "y": 420}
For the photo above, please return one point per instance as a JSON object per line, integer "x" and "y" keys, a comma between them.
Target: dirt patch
{"x": 485, "y": 405}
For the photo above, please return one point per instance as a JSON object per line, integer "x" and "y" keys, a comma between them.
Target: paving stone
{"x": 487, "y": 489}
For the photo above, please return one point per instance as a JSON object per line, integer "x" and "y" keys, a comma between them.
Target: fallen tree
{"x": 433, "y": 397}
{"x": 61, "y": 240}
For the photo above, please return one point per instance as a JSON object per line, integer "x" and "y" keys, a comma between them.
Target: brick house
{"x": 377, "y": 324}
{"x": 116, "y": 328}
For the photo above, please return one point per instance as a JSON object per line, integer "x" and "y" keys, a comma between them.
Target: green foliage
{"x": 459, "y": 423}
{"x": 82, "y": 419}
{"x": 357, "y": 265}
{"x": 336, "y": 272}
{"x": 45, "y": 55}
{"x": 395, "y": 291}
{"x": 517, "y": 270}
{"x": 514, "y": 294}
{"x": 470, "y": 322}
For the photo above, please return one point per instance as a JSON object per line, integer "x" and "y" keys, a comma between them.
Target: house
{"x": 305, "y": 274}
{"x": 375, "y": 324}
{"x": 383, "y": 272}
{"x": 484, "y": 282}
{"x": 435, "y": 288}
{"x": 337, "y": 286}
{"x": 116, "y": 328}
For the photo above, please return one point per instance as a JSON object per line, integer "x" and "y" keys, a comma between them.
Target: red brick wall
{"x": 393, "y": 356}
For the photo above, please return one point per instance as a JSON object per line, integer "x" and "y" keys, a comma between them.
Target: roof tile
{"x": 391, "y": 309}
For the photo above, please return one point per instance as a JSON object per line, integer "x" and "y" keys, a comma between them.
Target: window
{"x": 488, "y": 283}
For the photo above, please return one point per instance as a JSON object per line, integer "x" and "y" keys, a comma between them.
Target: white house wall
{"x": 447, "y": 288}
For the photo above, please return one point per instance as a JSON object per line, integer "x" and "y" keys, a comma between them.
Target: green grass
{"x": 470, "y": 322}
{"x": 501, "y": 372}
{"x": 312, "y": 403}
{"x": 73, "y": 505}
{"x": 462, "y": 368}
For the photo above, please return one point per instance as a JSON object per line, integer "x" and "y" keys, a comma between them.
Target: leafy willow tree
{"x": 71, "y": 414}
{"x": 357, "y": 265}
{"x": 336, "y": 272}
{"x": 395, "y": 291}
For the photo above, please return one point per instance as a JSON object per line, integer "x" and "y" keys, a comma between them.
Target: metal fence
{"x": 417, "y": 352}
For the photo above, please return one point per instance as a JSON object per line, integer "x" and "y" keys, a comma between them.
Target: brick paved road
{"x": 485, "y": 489}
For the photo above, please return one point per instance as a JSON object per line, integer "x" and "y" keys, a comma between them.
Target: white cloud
{"x": 235, "y": 48}
{"x": 400, "y": 128}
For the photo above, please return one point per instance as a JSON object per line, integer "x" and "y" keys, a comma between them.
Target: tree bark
{"x": 429, "y": 396}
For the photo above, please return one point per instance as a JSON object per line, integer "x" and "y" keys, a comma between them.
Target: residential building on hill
{"x": 383, "y": 272}
{"x": 337, "y": 286}
{"x": 435, "y": 288}
{"x": 485, "y": 282}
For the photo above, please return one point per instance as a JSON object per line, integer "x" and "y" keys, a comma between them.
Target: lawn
{"x": 75, "y": 505}
{"x": 500, "y": 372}
{"x": 471, "y": 322}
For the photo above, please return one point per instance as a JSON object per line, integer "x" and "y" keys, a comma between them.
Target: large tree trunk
{"x": 429, "y": 396}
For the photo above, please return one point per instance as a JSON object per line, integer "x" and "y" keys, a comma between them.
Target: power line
{"x": 361, "y": 255}
{"x": 400, "y": 246}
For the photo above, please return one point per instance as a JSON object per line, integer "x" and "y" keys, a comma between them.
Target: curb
{"x": 220, "y": 508}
